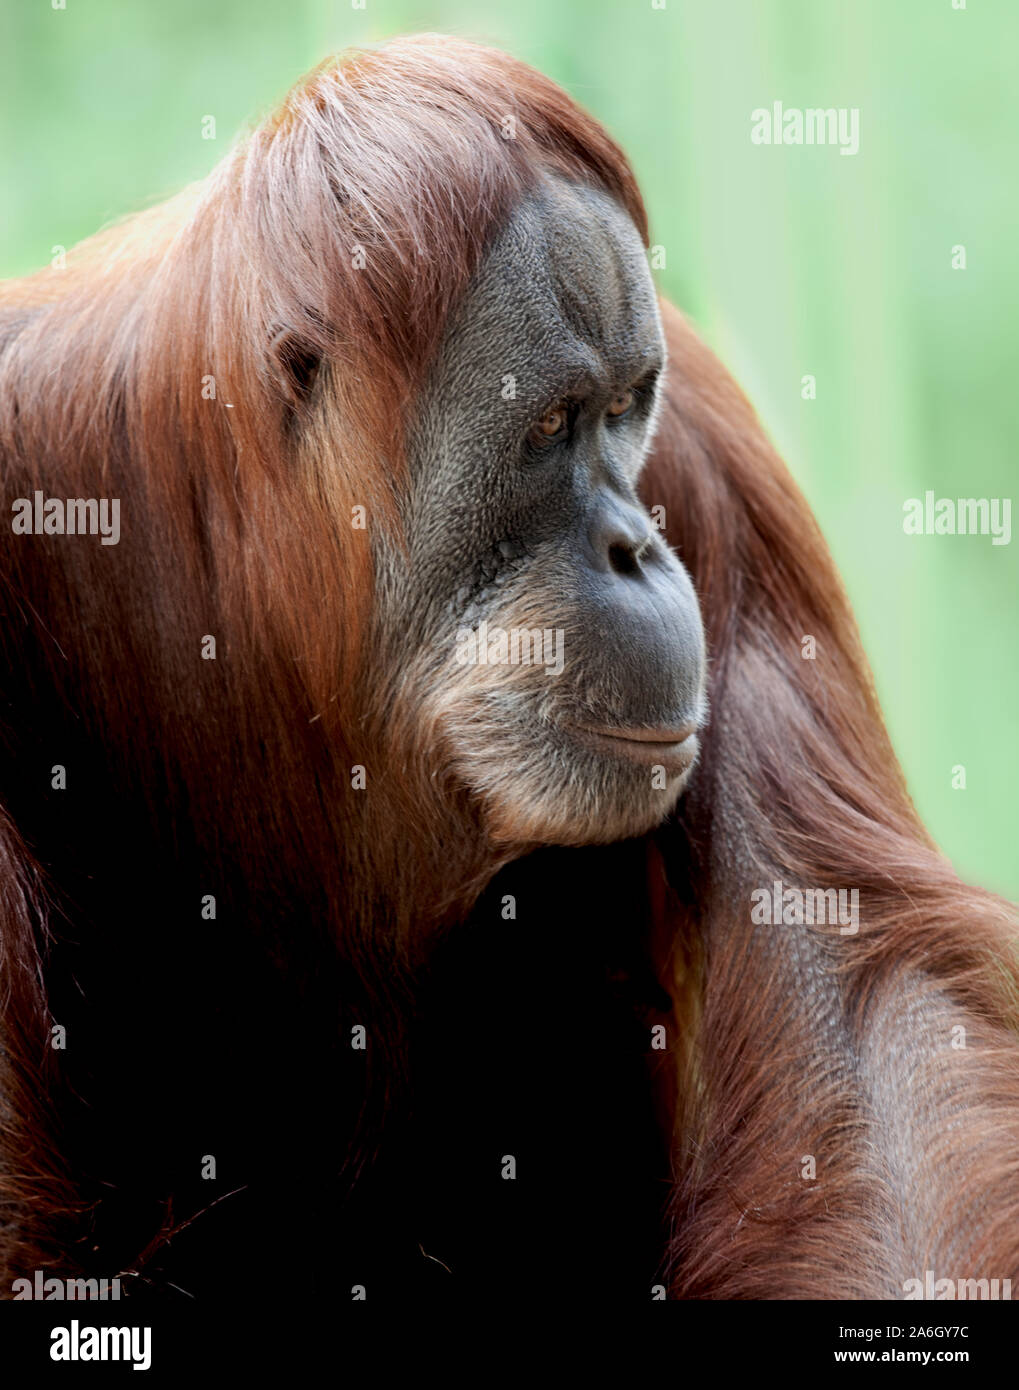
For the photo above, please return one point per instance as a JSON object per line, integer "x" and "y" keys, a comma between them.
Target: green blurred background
{"x": 793, "y": 261}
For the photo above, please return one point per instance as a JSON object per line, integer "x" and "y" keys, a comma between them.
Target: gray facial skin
{"x": 509, "y": 528}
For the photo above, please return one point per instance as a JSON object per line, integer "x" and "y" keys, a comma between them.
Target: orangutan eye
{"x": 622, "y": 404}
{"x": 553, "y": 425}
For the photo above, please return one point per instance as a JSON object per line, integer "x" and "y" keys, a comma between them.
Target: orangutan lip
{"x": 674, "y": 749}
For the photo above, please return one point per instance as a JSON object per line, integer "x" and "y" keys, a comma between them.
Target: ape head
{"x": 534, "y": 653}
{"x": 554, "y": 648}
{"x": 420, "y": 295}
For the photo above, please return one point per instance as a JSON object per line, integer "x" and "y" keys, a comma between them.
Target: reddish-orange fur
{"x": 786, "y": 1053}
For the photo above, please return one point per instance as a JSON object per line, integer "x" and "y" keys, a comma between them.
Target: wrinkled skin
{"x": 508, "y": 527}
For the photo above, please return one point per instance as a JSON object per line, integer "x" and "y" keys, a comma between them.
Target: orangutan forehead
{"x": 564, "y": 291}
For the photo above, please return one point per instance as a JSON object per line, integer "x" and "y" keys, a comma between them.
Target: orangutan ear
{"x": 294, "y": 364}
